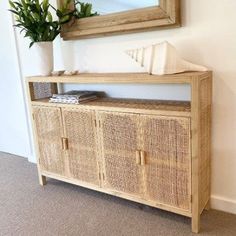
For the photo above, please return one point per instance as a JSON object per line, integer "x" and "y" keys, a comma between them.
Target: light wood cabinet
{"x": 153, "y": 152}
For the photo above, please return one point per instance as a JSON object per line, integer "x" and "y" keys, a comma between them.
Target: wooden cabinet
{"x": 146, "y": 156}
{"x": 152, "y": 152}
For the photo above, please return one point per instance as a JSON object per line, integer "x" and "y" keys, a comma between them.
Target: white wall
{"x": 208, "y": 37}
{"x": 13, "y": 122}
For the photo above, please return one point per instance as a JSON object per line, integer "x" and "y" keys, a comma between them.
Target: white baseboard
{"x": 223, "y": 204}
{"x": 32, "y": 159}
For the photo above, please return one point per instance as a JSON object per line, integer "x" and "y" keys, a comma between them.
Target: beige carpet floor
{"x": 58, "y": 208}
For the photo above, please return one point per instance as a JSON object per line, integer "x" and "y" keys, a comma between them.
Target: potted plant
{"x": 83, "y": 9}
{"x": 35, "y": 20}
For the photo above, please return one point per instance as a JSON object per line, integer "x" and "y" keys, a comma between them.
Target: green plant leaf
{"x": 37, "y": 5}
{"x": 83, "y": 9}
{"x": 31, "y": 44}
{"x": 49, "y": 17}
{"x": 24, "y": 4}
{"x": 22, "y": 30}
{"x": 13, "y": 11}
{"x": 34, "y": 18}
{"x": 45, "y": 5}
{"x": 18, "y": 25}
{"x": 88, "y": 10}
{"x": 18, "y": 4}
{"x": 64, "y": 19}
{"x": 45, "y": 34}
{"x": 59, "y": 13}
{"x": 12, "y": 5}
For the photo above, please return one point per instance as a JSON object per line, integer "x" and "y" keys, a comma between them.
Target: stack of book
{"x": 74, "y": 97}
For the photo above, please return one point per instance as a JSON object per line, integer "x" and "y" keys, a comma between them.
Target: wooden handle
{"x": 143, "y": 161}
{"x": 138, "y": 160}
{"x": 64, "y": 143}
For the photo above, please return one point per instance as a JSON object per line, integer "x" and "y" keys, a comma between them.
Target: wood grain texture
{"x": 205, "y": 145}
{"x": 186, "y": 124}
{"x": 167, "y": 14}
{"x": 195, "y": 123}
{"x": 136, "y": 106}
{"x": 120, "y": 78}
{"x": 201, "y": 104}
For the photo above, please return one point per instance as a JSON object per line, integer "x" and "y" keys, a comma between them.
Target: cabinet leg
{"x": 196, "y": 223}
{"x": 42, "y": 180}
{"x": 208, "y": 205}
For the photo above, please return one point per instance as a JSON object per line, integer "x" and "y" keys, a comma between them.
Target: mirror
{"x": 123, "y": 16}
{"x": 103, "y": 7}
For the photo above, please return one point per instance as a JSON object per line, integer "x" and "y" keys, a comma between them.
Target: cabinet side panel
{"x": 40, "y": 90}
{"x": 205, "y": 141}
{"x": 49, "y": 131}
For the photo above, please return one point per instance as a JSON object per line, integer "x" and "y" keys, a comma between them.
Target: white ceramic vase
{"x": 43, "y": 58}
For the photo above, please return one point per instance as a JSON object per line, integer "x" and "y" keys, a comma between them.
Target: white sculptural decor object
{"x": 161, "y": 59}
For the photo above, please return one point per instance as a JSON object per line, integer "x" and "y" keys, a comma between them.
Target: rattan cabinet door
{"x": 166, "y": 146}
{"x": 119, "y": 142}
{"x": 82, "y": 144}
{"x": 49, "y": 130}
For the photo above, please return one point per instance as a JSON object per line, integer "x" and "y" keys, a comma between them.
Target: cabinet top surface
{"x": 121, "y": 78}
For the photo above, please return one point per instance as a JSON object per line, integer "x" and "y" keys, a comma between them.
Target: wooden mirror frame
{"x": 166, "y": 15}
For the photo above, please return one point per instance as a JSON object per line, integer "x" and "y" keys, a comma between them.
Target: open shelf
{"x": 128, "y": 105}
{"x": 120, "y": 78}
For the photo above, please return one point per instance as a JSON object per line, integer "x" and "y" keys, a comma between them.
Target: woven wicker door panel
{"x": 166, "y": 142}
{"x": 49, "y": 131}
{"x": 119, "y": 140}
{"x": 82, "y": 144}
